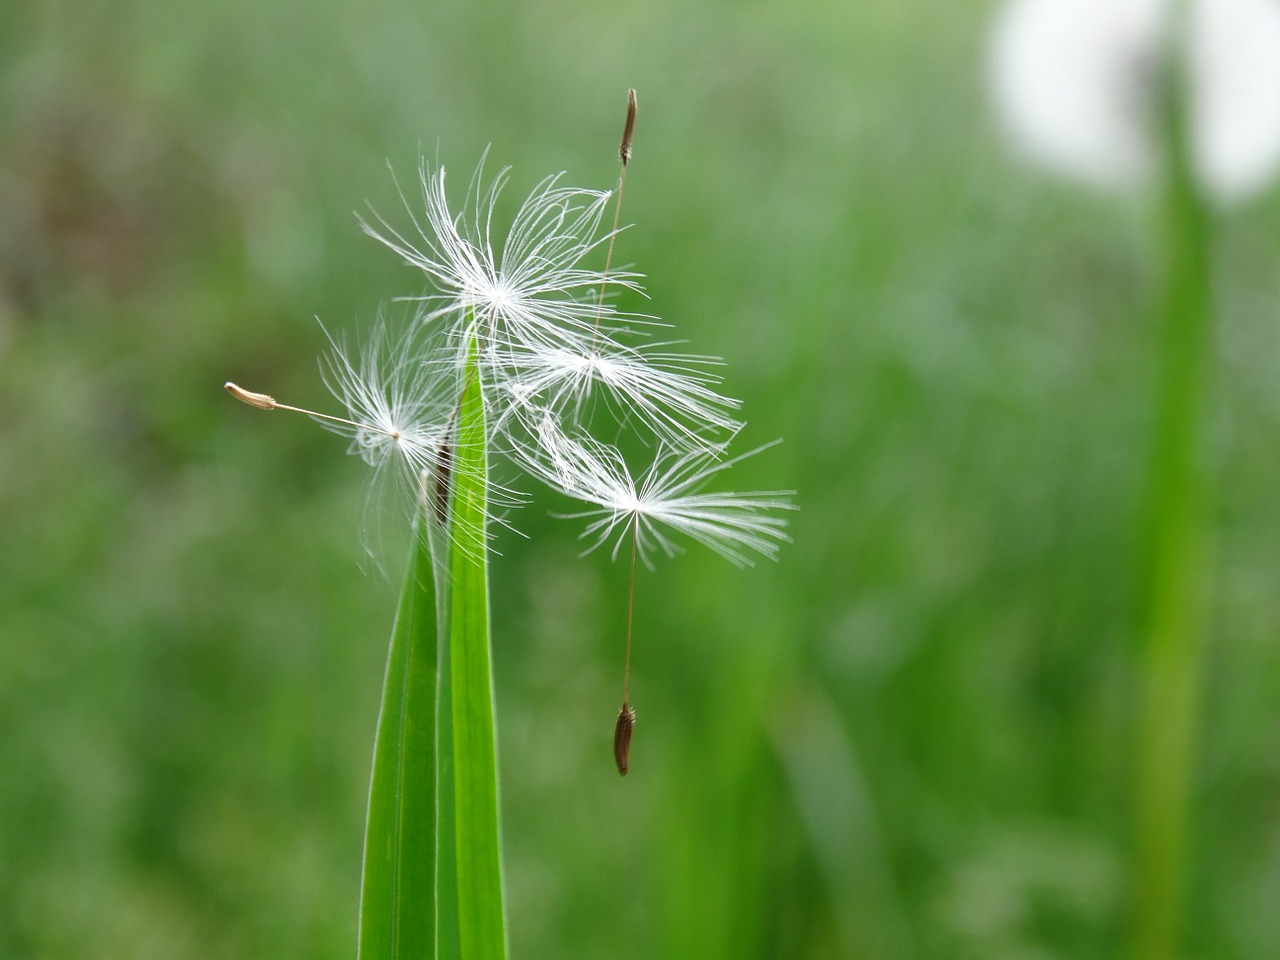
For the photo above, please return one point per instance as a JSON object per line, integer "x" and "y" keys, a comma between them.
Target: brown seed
{"x": 622, "y": 737}
{"x": 259, "y": 400}
{"x": 442, "y": 482}
{"x": 629, "y": 130}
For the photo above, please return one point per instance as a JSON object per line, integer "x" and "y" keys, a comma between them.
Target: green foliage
{"x": 433, "y": 865}
{"x": 398, "y": 893}
{"x": 474, "y": 820}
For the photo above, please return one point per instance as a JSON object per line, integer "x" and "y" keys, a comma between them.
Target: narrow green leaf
{"x": 1175, "y": 548}
{"x": 448, "y": 946}
{"x": 397, "y": 895}
{"x": 481, "y": 922}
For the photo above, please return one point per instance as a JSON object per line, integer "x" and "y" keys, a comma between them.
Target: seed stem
{"x": 625, "y": 723}
{"x": 264, "y": 402}
{"x": 631, "y": 596}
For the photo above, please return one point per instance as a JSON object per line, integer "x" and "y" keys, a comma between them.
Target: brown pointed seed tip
{"x": 629, "y": 129}
{"x": 259, "y": 400}
{"x": 622, "y": 737}
{"x": 442, "y": 481}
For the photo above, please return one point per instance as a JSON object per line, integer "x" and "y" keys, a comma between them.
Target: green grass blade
{"x": 481, "y": 922}
{"x": 397, "y": 894}
{"x": 1175, "y": 556}
{"x": 448, "y": 944}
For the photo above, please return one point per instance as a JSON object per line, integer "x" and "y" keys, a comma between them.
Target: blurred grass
{"x": 911, "y": 738}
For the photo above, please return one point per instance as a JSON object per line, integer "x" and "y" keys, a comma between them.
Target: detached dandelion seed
{"x": 667, "y": 499}
{"x": 399, "y": 394}
{"x": 526, "y": 291}
{"x": 405, "y": 388}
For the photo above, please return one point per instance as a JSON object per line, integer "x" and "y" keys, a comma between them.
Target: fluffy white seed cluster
{"x": 555, "y": 357}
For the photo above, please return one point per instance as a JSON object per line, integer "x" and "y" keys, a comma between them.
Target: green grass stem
{"x": 1174, "y": 552}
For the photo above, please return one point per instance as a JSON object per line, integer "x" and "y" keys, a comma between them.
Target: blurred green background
{"x": 912, "y": 737}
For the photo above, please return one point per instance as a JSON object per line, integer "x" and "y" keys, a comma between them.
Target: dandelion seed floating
{"x": 400, "y": 395}
{"x": 626, "y": 716}
{"x": 668, "y": 497}
{"x": 525, "y": 291}
{"x": 262, "y": 401}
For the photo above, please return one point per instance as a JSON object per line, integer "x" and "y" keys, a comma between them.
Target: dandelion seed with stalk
{"x": 668, "y": 498}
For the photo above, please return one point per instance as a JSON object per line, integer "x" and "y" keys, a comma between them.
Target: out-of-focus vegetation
{"x": 910, "y": 738}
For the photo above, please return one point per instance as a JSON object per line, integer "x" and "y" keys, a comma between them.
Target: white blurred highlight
{"x": 1075, "y": 80}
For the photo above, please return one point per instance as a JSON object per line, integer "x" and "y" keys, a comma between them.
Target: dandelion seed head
{"x": 671, "y": 394}
{"x": 1078, "y": 82}
{"x": 669, "y": 497}
{"x": 529, "y": 287}
{"x": 492, "y": 295}
{"x": 629, "y": 503}
{"x": 398, "y": 390}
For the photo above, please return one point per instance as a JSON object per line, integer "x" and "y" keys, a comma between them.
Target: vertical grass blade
{"x": 481, "y": 920}
{"x": 397, "y": 893}
{"x": 1175, "y": 560}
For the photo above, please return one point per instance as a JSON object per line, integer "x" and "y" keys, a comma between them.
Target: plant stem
{"x": 624, "y": 156}
{"x": 631, "y": 598}
{"x": 1174, "y": 556}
